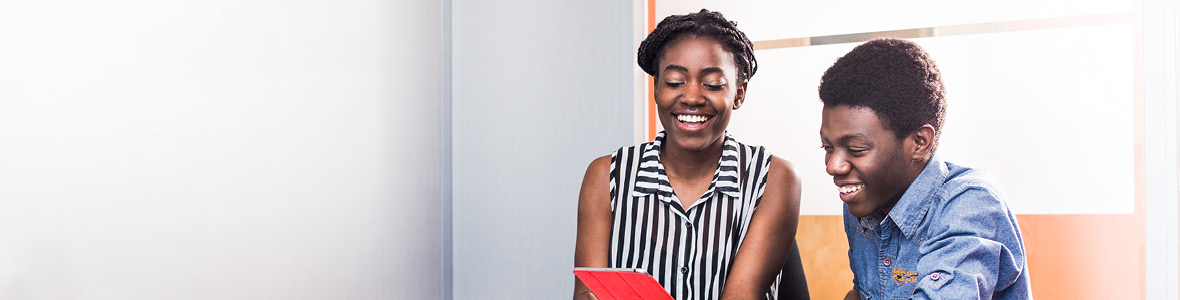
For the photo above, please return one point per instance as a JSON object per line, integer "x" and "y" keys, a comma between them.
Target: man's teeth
{"x": 850, "y": 188}
{"x": 691, "y": 118}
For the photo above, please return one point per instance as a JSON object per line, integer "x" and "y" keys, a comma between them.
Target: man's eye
{"x": 714, "y": 87}
{"x": 827, "y": 148}
{"x": 856, "y": 151}
{"x": 674, "y": 83}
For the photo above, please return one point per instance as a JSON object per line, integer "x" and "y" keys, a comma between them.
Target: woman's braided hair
{"x": 704, "y": 24}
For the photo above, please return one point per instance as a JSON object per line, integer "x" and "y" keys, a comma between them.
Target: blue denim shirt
{"x": 951, "y": 236}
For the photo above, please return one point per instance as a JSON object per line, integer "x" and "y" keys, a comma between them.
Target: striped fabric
{"x": 689, "y": 251}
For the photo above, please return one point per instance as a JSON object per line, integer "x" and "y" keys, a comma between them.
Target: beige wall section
{"x": 1069, "y": 256}
{"x": 1084, "y": 256}
{"x": 824, "y": 252}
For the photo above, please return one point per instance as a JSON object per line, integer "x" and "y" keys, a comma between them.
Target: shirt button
{"x": 887, "y": 262}
{"x": 683, "y": 270}
{"x": 689, "y": 225}
{"x": 934, "y": 277}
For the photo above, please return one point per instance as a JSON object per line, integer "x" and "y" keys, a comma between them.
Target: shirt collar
{"x": 725, "y": 179}
{"x": 911, "y": 208}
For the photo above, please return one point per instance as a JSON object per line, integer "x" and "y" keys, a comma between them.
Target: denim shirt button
{"x": 888, "y": 262}
{"x": 934, "y": 277}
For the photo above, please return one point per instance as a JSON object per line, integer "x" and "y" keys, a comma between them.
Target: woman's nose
{"x": 693, "y": 96}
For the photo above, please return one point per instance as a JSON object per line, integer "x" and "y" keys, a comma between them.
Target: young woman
{"x": 707, "y": 216}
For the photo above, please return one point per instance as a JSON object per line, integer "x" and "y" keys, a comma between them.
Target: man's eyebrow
{"x": 853, "y": 136}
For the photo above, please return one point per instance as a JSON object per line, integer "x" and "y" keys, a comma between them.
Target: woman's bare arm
{"x": 772, "y": 230}
{"x": 594, "y": 221}
{"x": 852, "y": 295}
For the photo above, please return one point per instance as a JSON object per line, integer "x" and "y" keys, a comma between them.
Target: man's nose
{"x": 837, "y": 165}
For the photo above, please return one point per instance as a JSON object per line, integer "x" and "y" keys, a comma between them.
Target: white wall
{"x": 1161, "y": 87}
{"x": 540, "y": 88}
{"x": 220, "y": 149}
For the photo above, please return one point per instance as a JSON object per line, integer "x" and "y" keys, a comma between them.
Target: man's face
{"x": 866, "y": 160}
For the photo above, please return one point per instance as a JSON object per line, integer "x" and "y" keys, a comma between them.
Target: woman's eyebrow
{"x": 676, "y": 67}
{"x": 713, "y": 70}
{"x": 683, "y": 69}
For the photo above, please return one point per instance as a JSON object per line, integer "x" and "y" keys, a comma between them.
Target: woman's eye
{"x": 714, "y": 87}
{"x": 674, "y": 83}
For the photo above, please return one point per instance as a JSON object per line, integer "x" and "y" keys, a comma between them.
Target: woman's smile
{"x": 692, "y": 123}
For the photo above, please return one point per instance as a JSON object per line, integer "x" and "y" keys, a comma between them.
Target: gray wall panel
{"x": 540, "y": 88}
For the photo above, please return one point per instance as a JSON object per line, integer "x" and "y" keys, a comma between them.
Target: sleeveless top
{"x": 688, "y": 250}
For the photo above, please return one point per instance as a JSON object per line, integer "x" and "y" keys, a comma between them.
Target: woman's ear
{"x": 923, "y": 142}
{"x": 740, "y": 97}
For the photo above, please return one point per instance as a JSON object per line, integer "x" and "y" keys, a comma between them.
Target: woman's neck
{"x": 688, "y": 164}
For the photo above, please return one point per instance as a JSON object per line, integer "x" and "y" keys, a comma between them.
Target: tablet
{"x": 621, "y": 284}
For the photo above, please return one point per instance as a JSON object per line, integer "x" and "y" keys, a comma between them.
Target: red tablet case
{"x": 621, "y": 284}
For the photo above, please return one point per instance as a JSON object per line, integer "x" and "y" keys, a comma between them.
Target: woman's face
{"x": 696, "y": 91}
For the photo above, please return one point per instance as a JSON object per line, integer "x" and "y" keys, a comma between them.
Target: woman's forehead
{"x": 691, "y": 50}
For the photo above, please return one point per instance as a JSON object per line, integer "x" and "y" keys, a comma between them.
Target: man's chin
{"x": 859, "y": 211}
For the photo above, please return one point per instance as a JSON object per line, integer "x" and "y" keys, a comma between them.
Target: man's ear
{"x": 741, "y": 96}
{"x": 921, "y": 142}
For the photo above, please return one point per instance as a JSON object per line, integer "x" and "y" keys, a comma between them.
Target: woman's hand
{"x": 585, "y": 295}
{"x": 852, "y": 295}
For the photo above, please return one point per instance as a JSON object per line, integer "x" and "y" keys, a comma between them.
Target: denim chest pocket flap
{"x": 936, "y": 279}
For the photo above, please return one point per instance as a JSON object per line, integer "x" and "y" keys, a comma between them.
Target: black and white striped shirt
{"x": 689, "y": 251}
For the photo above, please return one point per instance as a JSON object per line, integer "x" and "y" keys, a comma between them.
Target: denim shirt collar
{"x": 910, "y": 210}
{"x": 725, "y": 179}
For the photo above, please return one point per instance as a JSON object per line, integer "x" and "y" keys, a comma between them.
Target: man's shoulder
{"x": 969, "y": 194}
{"x": 961, "y": 180}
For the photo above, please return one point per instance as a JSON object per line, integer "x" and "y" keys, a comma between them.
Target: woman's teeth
{"x": 691, "y": 118}
{"x": 850, "y": 188}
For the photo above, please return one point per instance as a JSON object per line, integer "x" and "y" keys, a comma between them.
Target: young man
{"x": 918, "y": 226}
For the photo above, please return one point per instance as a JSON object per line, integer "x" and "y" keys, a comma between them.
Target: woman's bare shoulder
{"x": 782, "y": 171}
{"x": 782, "y": 181}
{"x": 600, "y": 165}
{"x": 597, "y": 176}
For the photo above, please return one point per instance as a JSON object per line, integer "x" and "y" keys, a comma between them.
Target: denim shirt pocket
{"x": 936, "y": 279}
